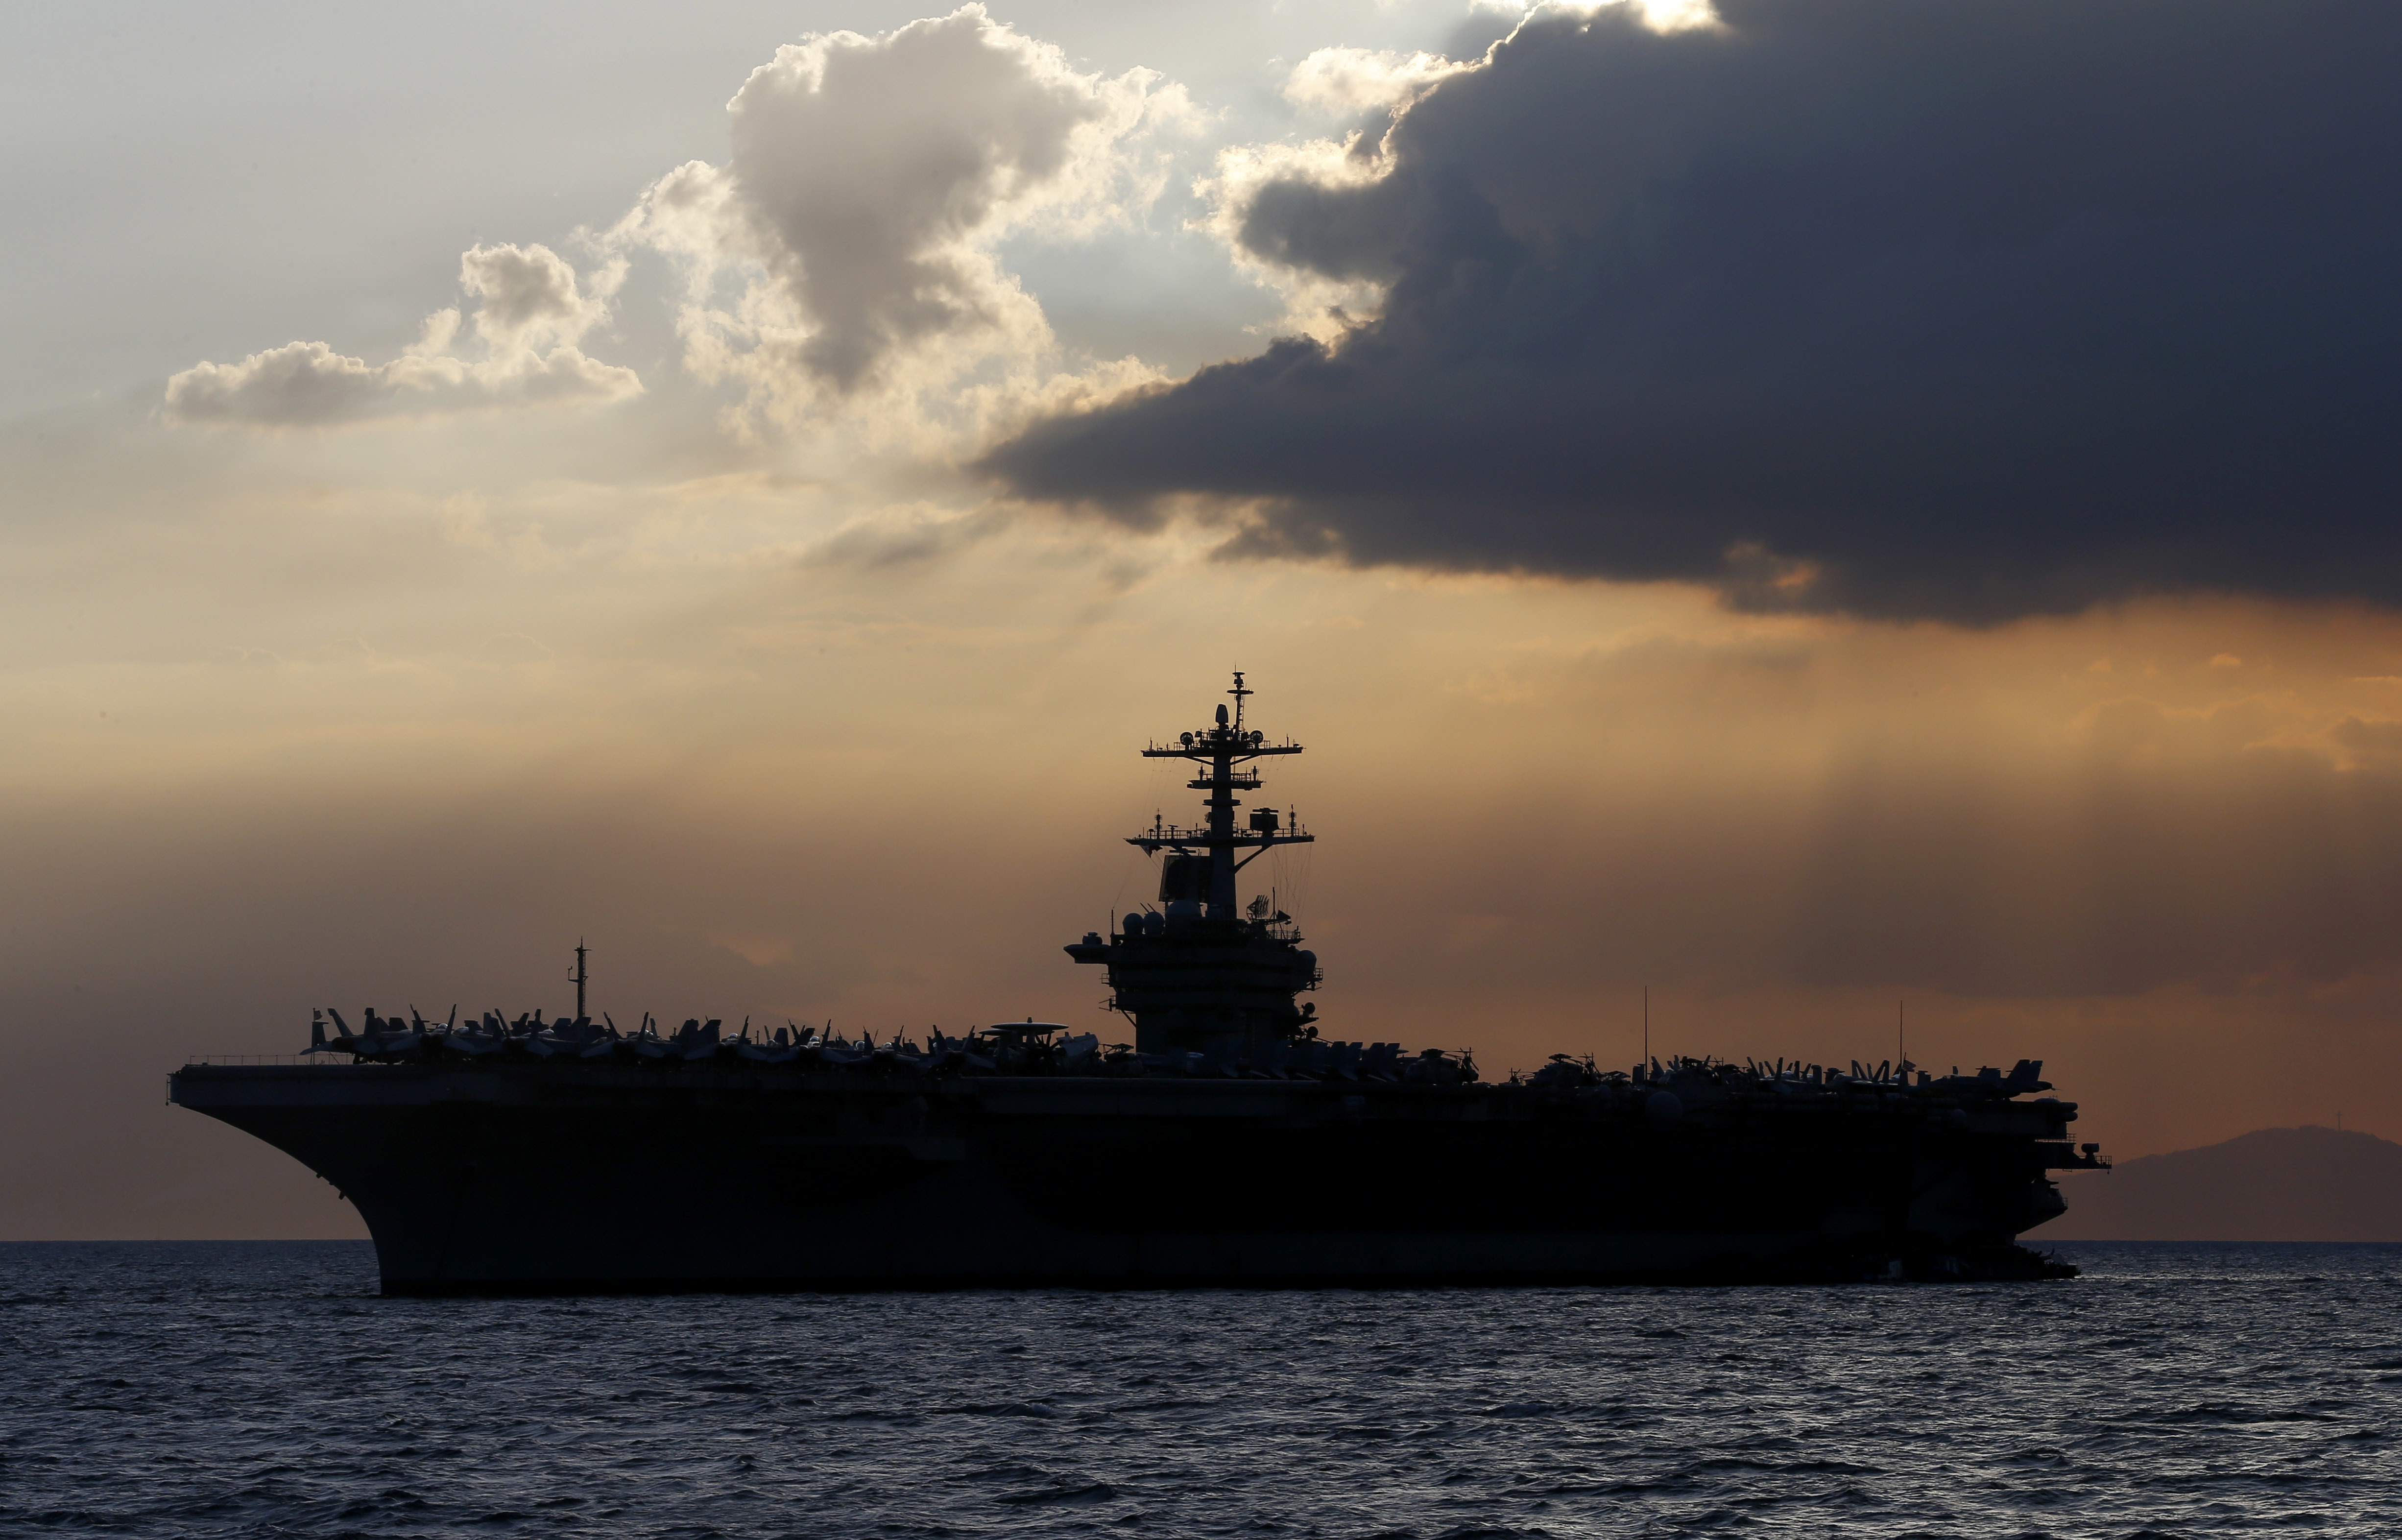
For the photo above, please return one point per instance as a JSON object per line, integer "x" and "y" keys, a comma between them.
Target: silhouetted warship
{"x": 1231, "y": 1143}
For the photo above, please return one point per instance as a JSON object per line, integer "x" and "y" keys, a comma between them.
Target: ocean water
{"x": 264, "y": 1390}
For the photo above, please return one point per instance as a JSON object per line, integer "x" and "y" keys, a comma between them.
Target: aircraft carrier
{"x": 1235, "y": 1141}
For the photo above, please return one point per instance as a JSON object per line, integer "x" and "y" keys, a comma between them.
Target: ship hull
{"x": 543, "y": 1178}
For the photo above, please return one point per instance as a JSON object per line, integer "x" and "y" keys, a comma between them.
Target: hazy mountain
{"x": 2305, "y": 1184}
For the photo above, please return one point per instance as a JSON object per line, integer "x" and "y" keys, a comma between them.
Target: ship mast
{"x": 1196, "y": 975}
{"x": 581, "y": 976}
{"x": 1219, "y": 749}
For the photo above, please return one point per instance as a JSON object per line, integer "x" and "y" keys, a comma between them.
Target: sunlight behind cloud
{"x": 842, "y": 263}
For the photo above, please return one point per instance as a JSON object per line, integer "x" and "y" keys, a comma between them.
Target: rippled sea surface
{"x": 263, "y": 1389}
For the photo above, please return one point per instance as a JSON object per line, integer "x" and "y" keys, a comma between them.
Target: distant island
{"x": 2305, "y": 1184}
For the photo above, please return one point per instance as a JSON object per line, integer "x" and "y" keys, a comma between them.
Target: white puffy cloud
{"x": 1345, "y": 81}
{"x": 532, "y": 312}
{"x": 844, "y": 260}
{"x": 530, "y": 296}
{"x": 846, "y": 250}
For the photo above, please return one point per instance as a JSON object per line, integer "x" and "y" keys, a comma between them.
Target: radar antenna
{"x": 1218, "y": 750}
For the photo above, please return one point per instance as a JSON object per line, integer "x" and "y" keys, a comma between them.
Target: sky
{"x": 1828, "y": 512}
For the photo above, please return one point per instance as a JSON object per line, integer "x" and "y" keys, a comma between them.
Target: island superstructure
{"x": 1232, "y": 1142}
{"x": 1197, "y": 975}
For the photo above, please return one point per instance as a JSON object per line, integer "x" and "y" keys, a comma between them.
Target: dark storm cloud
{"x": 1967, "y": 309}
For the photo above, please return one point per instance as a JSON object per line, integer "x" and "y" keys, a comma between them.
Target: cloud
{"x": 1338, "y": 82}
{"x": 1342, "y": 82}
{"x": 846, "y": 247}
{"x": 533, "y": 313}
{"x": 2367, "y": 744}
{"x": 531, "y": 298}
{"x": 843, "y": 261}
{"x": 1965, "y": 311}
